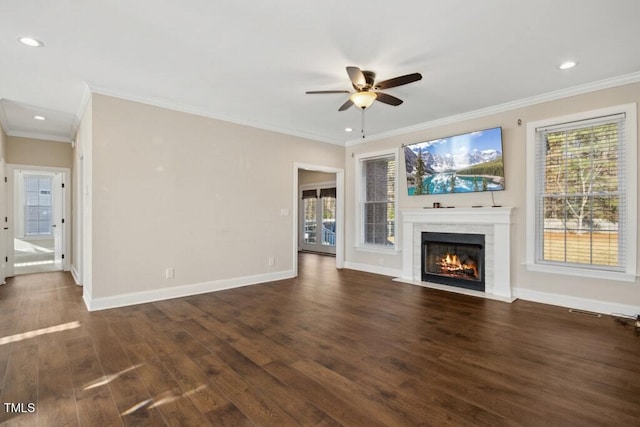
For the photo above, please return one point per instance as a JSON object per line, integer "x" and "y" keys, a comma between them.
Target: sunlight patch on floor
{"x": 38, "y": 332}
{"x": 30, "y": 263}
{"x": 30, "y": 248}
{"x": 108, "y": 378}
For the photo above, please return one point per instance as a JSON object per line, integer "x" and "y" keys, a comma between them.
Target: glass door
{"x": 318, "y": 220}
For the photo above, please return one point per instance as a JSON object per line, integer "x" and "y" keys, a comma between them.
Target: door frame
{"x": 66, "y": 211}
{"x": 4, "y": 215}
{"x": 339, "y": 210}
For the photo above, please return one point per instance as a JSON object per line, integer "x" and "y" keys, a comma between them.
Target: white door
{"x": 37, "y": 206}
{"x": 4, "y": 232}
{"x": 57, "y": 222}
{"x": 318, "y": 220}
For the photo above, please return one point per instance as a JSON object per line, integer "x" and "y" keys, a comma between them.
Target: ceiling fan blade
{"x": 399, "y": 81}
{"x": 347, "y": 105}
{"x": 357, "y": 77}
{"x": 388, "y": 99}
{"x": 311, "y": 92}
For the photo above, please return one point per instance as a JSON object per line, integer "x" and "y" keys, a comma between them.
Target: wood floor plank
{"x": 329, "y": 347}
{"x": 228, "y": 415}
{"x": 21, "y": 381}
{"x": 205, "y": 395}
{"x": 293, "y": 403}
{"x": 56, "y": 398}
{"x": 256, "y": 406}
{"x": 322, "y": 397}
{"x": 167, "y": 395}
{"x": 96, "y": 408}
{"x": 133, "y": 400}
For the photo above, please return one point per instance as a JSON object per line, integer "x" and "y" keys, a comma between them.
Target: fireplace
{"x": 454, "y": 259}
{"x": 494, "y": 223}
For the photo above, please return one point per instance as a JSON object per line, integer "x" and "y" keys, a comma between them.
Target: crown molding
{"x": 502, "y": 108}
{"x": 174, "y": 106}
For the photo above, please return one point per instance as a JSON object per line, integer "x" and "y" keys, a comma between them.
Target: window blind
{"x": 379, "y": 204}
{"x": 309, "y": 194}
{"x": 328, "y": 192}
{"x": 580, "y": 193}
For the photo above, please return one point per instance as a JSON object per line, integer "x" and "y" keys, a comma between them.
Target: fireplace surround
{"x": 493, "y": 223}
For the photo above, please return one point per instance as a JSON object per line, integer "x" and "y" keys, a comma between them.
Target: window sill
{"x": 583, "y": 272}
{"x": 378, "y": 249}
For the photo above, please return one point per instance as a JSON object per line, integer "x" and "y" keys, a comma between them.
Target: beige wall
{"x": 200, "y": 195}
{"x": 314, "y": 177}
{"x": 37, "y": 152}
{"x": 3, "y": 143}
{"x": 515, "y": 194}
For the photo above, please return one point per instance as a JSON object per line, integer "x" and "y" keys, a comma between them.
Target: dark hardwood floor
{"x": 328, "y": 348}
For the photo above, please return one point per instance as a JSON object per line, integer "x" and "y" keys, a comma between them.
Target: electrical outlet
{"x": 169, "y": 273}
{"x": 271, "y": 261}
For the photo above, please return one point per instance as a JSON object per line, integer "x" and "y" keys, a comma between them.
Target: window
{"x": 309, "y": 200}
{"x": 377, "y": 190}
{"x": 319, "y": 218}
{"x": 328, "y": 200}
{"x": 581, "y": 214}
{"x": 37, "y": 191}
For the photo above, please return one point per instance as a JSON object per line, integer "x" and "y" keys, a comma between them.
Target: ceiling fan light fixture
{"x": 363, "y": 99}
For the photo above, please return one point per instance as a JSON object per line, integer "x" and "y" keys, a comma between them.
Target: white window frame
{"x": 360, "y": 244}
{"x": 630, "y": 239}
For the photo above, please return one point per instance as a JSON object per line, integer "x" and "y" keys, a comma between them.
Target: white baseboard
{"x": 75, "y": 275}
{"x": 384, "y": 271}
{"x": 586, "y": 304}
{"x": 134, "y": 298}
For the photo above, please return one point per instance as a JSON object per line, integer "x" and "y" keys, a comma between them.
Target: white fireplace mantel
{"x": 494, "y": 223}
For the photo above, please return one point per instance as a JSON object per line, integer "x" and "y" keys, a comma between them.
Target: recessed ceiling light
{"x": 39, "y": 117}
{"x": 567, "y": 65}
{"x": 348, "y": 130}
{"x": 31, "y": 42}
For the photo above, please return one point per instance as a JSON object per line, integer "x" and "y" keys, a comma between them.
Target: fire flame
{"x": 451, "y": 263}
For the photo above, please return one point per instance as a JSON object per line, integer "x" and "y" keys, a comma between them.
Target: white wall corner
{"x": 75, "y": 275}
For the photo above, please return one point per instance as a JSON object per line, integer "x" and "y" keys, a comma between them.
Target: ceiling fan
{"x": 367, "y": 89}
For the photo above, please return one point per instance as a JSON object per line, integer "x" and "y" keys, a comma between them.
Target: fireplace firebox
{"x": 455, "y": 259}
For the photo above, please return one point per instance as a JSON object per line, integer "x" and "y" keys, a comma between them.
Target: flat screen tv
{"x": 457, "y": 164}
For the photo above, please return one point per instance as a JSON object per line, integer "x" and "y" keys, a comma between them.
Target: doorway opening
{"x": 37, "y": 220}
{"x": 319, "y": 212}
{"x": 317, "y": 216}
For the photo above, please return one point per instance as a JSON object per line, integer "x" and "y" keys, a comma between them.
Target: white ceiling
{"x": 251, "y": 62}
